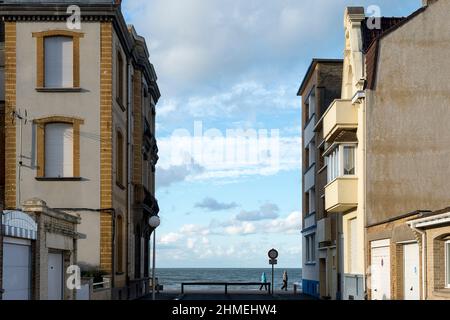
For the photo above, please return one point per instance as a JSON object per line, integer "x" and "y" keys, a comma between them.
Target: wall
{"x": 408, "y": 138}
{"x": 436, "y": 263}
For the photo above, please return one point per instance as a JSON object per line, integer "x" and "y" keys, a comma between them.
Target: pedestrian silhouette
{"x": 285, "y": 281}
{"x": 264, "y": 283}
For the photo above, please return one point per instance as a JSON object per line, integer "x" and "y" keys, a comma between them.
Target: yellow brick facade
{"x": 10, "y": 108}
{"x": 106, "y": 152}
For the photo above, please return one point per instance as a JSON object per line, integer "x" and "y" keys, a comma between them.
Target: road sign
{"x": 273, "y": 254}
{"x": 273, "y": 262}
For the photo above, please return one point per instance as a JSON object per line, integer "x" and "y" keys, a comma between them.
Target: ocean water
{"x": 172, "y": 279}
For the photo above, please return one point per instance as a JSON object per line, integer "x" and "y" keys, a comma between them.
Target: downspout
{"x": 129, "y": 157}
{"x": 424, "y": 260}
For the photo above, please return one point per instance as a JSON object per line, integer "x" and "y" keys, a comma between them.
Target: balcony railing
{"x": 341, "y": 115}
{"x": 341, "y": 195}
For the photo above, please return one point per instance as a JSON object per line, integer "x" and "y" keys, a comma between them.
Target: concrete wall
{"x": 408, "y": 140}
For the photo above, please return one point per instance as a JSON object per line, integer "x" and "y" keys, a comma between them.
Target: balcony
{"x": 341, "y": 195}
{"x": 341, "y": 115}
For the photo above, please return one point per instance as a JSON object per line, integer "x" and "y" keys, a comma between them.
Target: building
{"x": 321, "y": 232}
{"x": 384, "y": 140}
{"x": 433, "y": 235}
{"x": 79, "y": 131}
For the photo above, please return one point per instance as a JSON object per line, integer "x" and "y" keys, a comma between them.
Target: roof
{"x": 311, "y": 69}
{"x": 369, "y": 35}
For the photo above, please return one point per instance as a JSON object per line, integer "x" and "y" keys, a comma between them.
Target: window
{"x": 312, "y": 105}
{"x": 341, "y": 162}
{"x": 119, "y": 160}
{"x": 58, "y": 147}
{"x": 58, "y": 59}
{"x": 120, "y": 79}
{"x": 119, "y": 244}
{"x": 310, "y": 248}
{"x": 58, "y": 150}
{"x": 58, "y": 62}
{"x": 447, "y": 264}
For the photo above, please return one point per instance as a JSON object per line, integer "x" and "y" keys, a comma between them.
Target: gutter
{"x": 129, "y": 158}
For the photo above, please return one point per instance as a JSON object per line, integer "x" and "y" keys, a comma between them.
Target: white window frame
{"x": 447, "y": 265}
{"x": 335, "y": 172}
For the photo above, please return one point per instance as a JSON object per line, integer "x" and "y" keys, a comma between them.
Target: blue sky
{"x": 228, "y": 65}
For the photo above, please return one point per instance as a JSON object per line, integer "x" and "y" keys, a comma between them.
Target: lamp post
{"x": 154, "y": 222}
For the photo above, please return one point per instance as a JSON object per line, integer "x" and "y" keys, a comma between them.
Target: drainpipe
{"x": 129, "y": 158}
{"x": 424, "y": 260}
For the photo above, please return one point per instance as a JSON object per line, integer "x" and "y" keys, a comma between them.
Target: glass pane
{"x": 349, "y": 160}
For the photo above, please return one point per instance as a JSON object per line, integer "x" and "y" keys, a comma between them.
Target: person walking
{"x": 264, "y": 283}
{"x": 285, "y": 281}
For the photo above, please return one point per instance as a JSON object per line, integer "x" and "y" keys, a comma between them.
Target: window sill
{"x": 58, "y": 89}
{"x": 58, "y": 179}
{"x": 310, "y": 264}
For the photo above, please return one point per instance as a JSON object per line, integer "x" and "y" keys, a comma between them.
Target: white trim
{"x": 433, "y": 222}
{"x": 407, "y": 242}
{"x": 380, "y": 243}
{"x": 447, "y": 265}
{"x": 429, "y": 221}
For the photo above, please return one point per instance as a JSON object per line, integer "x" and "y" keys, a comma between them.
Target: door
{"x": 55, "y": 276}
{"x": 411, "y": 263}
{"x": 16, "y": 270}
{"x": 381, "y": 271}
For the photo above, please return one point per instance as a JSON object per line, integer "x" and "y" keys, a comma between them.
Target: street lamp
{"x": 154, "y": 222}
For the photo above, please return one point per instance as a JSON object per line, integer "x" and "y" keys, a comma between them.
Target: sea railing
{"x": 226, "y": 285}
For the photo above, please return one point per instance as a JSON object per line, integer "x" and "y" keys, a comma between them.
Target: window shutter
{"x": 58, "y": 62}
{"x": 59, "y": 150}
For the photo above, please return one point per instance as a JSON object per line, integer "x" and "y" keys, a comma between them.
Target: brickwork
{"x": 10, "y": 107}
{"x": 106, "y": 156}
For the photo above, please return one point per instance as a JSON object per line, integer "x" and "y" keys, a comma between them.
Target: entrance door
{"x": 16, "y": 269}
{"x": 411, "y": 262}
{"x": 381, "y": 270}
{"x": 55, "y": 276}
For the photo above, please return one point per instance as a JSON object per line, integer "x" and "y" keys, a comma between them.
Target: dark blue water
{"x": 171, "y": 279}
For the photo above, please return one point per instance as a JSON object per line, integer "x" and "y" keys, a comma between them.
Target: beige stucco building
{"x": 79, "y": 131}
{"x": 388, "y": 146}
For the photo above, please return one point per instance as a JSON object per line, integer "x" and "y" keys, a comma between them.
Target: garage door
{"x": 16, "y": 269}
{"x": 411, "y": 272}
{"x": 380, "y": 270}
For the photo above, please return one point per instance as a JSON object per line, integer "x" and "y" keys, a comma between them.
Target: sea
{"x": 172, "y": 279}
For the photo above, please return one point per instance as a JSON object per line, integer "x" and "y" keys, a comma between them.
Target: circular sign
{"x": 154, "y": 222}
{"x": 273, "y": 254}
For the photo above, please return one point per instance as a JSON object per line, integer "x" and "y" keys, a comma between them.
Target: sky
{"x": 229, "y": 121}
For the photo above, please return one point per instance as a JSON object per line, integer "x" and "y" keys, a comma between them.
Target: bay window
{"x": 341, "y": 161}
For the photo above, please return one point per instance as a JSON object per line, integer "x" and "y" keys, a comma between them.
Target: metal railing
{"x": 226, "y": 285}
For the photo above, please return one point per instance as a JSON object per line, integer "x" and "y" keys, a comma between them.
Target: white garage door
{"x": 16, "y": 269}
{"x": 411, "y": 271}
{"x": 381, "y": 270}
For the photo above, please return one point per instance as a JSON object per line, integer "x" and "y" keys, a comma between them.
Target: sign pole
{"x": 273, "y": 269}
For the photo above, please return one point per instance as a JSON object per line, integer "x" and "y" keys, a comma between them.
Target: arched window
{"x": 119, "y": 244}
{"x": 58, "y": 59}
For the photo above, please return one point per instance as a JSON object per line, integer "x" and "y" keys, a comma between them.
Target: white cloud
{"x": 170, "y": 238}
